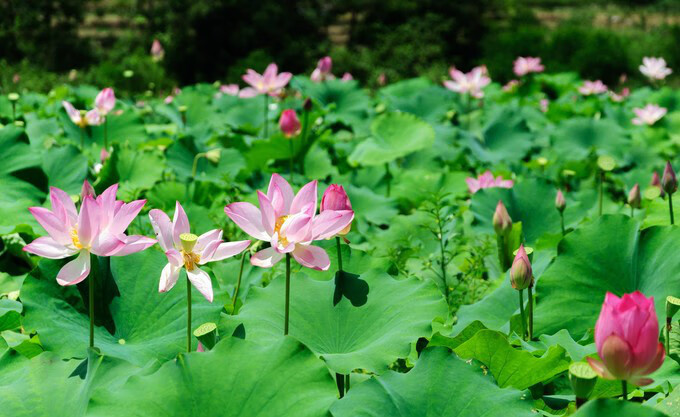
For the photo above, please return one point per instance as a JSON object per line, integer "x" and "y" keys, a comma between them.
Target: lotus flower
{"x": 560, "y": 202}
{"x": 91, "y": 118}
{"x": 627, "y": 339}
{"x": 157, "y": 51}
{"x": 521, "y": 276}
{"x": 270, "y": 82}
{"x": 98, "y": 228}
{"x": 105, "y": 101}
{"x": 289, "y": 123}
{"x": 510, "y": 86}
{"x": 470, "y": 83}
{"x": 322, "y": 71}
{"x": 229, "y": 89}
{"x": 544, "y": 104}
{"x": 592, "y": 87}
{"x": 655, "y": 68}
{"x": 634, "y": 198}
{"x": 619, "y": 97}
{"x": 184, "y": 249}
{"x": 656, "y": 182}
{"x": 487, "y": 180}
{"x": 289, "y": 223}
{"x": 649, "y": 114}
{"x": 335, "y": 198}
{"x": 525, "y": 65}
{"x": 347, "y": 77}
{"x": 502, "y": 223}
{"x": 669, "y": 182}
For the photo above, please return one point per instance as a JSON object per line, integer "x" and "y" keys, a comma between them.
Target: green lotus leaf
{"x": 505, "y": 138}
{"x": 614, "y": 408}
{"x": 575, "y": 139}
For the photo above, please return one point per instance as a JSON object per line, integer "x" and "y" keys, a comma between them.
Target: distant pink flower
{"x": 627, "y": 339}
{"x": 81, "y": 118}
{"x": 347, "y": 77}
{"x": 270, "y": 82}
{"x": 105, "y": 101}
{"x": 619, "y": 97}
{"x": 471, "y": 83}
{"x": 655, "y": 68}
{"x": 169, "y": 99}
{"x": 98, "y": 228}
{"x": 289, "y": 223}
{"x": 649, "y": 114}
{"x": 543, "y": 105}
{"x": 511, "y": 85}
{"x": 289, "y": 123}
{"x": 322, "y": 71}
{"x": 592, "y": 87}
{"x": 487, "y": 180}
{"x": 16, "y": 78}
{"x": 189, "y": 251}
{"x": 157, "y": 51}
{"x": 382, "y": 79}
{"x": 525, "y": 65}
{"x": 104, "y": 155}
{"x": 229, "y": 89}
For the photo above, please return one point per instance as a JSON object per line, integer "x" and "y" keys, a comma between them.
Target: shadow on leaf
{"x": 352, "y": 287}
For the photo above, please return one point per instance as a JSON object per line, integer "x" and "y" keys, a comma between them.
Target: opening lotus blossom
{"x": 471, "y": 83}
{"x": 270, "y": 82}
{"x": 487, "y": 180}
{"x": 592, "y": 88}
{"x": 649, "y": 114}
{"x": 289, "y": 223}
{"x": 98, "y": 228}
{"x": 186, "y": 250}
{"x": 526, "y": 65}
{"x": 81, "y": 118}
{"x": 655, "y": 68}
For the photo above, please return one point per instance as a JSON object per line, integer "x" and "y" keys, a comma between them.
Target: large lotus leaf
{"x": 66, "y": 168}
{"x": 440, "y": 385}
{"x": 126, "y": 127}
{"x": 671, "y": 404}
{"x": 420, "y": 97}
{"x": 369, "y": 335}
{"x": 574, "y": 139}
{"x": 611, "y": 254}
{"x": 531, "y": 202}
{"x": 148, "y": 324}
{"x": 614, "y": 408}
{"x": 10, "y": 312}
{"x": 505, "y": 138}
{"x": 16, "y": 152}
{"x": 48, "y": 386}
{"x": 394, "y": 135}
{"x": 236, "y": 379}
{"x": 509, "y": 366}
{"x": 15, "y": 198}
{"x": 139, "y": 169}
{"x": 348, "y": 101}
{"x": 241, "y": 113}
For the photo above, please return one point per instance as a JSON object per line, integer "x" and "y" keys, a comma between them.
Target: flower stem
{"x": 632, "y": 211}
{"x": 670, "y": 207}
{"x": 188, "y": 315}
{"x": 388, "y": 176}
{"x": 266, "y": 114}
{"x": 502, "y": 252}
{"x": 290, "y": 160}
{"x": 82, "y": 138}
{"x": 340, "y": 381}
{"x": 91, "y": 301}
{"x": 106, "y": 135}
{"x": 305, "y": 129}
{"x": 337, "y": 244}
{"x": 238, "y": 285}
{"x": 668, "y": 335}
{"x": 14, "y": 111}
{"x": 531, "y": 313}
{"x": 521, "y": 312}
{"x": 564, "y": 233}
{"x": 600, "y": 193}
{"x": 287, "y": 307}
{"x": 624, "y": 388}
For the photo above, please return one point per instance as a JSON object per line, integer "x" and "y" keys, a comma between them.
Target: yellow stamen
{"x": 277, "y": 229}
{"x": 190, "y": 260}
{"x": 74, "y": 238}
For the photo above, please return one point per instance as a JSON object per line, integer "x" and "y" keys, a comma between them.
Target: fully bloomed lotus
{"x": 487, "y": 180}
{"x": 592, "y": 88}
{"x": 270, "y": 82}
{"x": 627, "y": 339}
{"x": 655, "y": 68}
{"x": 649, "y": 114}
{"x": 81, "y": 118}
{"x": 526, "y": 65}
{"x": 471, "y": 83}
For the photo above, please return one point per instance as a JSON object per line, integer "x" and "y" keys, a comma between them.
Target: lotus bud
{"x": 668, "y": 181}
{"x": 188, "y": 241}
{"x": 104, "y": 155}
{"x": 560, "y": 202}
{"x": 87, "y": 191}
{"x": 105, "y": 101}
{"x": 307, "y": 105}
{"x": 325, "y": 64}
{"x": 289, "y": 123}
{"x": 520, "y": 273}
{"x": 502, "y": 223}
{"x": 656, "y": 182}
{"x": 634, "y": 197}
{"x": 335, "y": 198}
{"x": 213, "y": 155}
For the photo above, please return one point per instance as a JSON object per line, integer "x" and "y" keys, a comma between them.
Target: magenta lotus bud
{"x": 157, "y": 51}
{"x": 634, "y": 198}
{"x": 325, "y": 64}
{"x": 627, "y": 339}
{"x": 289, "y": 123}
{"x": 520, "y": 273}
{"x": 335, "y": 198}
{"x": 87, "y": 191}
{"x": 560, "y": 202}
{"x": 105, "y": 101}
{"x": 668, "y": 182}
{"x": 656, "y": 182}
{"x": 104, "y": 155}
{"x": 502, "y": 223}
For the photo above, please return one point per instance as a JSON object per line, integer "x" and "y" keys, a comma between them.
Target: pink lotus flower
{"x": 521, "y": 276}
{"x": 335, "y": 198}
{"x": 347, "y": 77}
{"x": 655, "y": 68}
{"x": 229, "y": 89}
{"x": 525, "y": 65}
{"x": 619, "y": 97}
{"x": 656, "y": 182}
{"x": 470, "y": 83}
{"x": 98, "y": 228}
{"x": 592, "y": 87}
{"x": 382, "y": 79}
{"x": 322, "y": 71}
{"x": 487, "y": 180}
{"x": 80, "y": 118}
{"x": 157, "y": 51}
{"x": 543, "y": 105}
{"x": 649, "y": 114}
{"x": 16, "y": 78}
{"x": 290, "y": 223}
{"x": 289, "y": 123}
{"x": 627, "y": 339}
{"x": 184, "y": 249}
{"x": 510, "y": 86}
{"x": 105, "y": 101}
{"x": 270, "y": 82}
